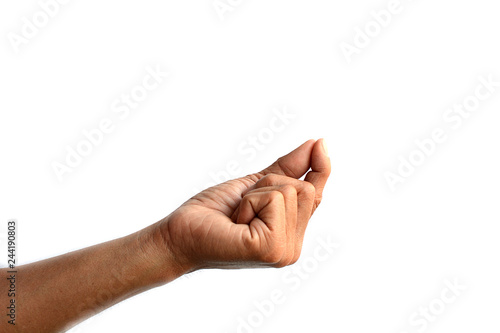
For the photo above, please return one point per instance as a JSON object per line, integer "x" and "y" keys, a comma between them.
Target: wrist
{"x": 156, "y": 250}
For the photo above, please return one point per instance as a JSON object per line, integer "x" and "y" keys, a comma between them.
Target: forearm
{"x": 57, "y": 293}
{"x": 254, "y": 221}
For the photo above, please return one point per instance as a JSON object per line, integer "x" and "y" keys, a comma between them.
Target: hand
{"x": 254, "y": 221}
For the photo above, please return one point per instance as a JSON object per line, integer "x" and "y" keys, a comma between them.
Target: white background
{"x": 226, "y": 77}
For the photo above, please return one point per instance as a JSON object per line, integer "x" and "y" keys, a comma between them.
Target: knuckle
{"x": 309, "y": 188}
{"x": 288, "y": 189}
{"x": 245, "y": 201}
{"x": 276, "y": 195}
{"x": 270, "y": 179}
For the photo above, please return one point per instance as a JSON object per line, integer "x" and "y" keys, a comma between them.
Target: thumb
{"x": 295, "y": 164}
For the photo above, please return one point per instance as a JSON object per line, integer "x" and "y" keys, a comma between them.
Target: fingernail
{"x": 325, "y": 148}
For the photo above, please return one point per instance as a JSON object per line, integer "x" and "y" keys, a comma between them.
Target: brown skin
{"x": 255, "y": 221}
